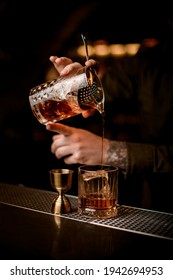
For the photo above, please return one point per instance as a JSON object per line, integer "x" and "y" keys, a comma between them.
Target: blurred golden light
{"x": 81, "y": 50}
{"x": 117, "y": 49}
{"x": 132, "y": 49}
{"x": 101, "y": 48}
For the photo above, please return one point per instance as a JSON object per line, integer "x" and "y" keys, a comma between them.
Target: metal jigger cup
{"x": 61, "y": 181}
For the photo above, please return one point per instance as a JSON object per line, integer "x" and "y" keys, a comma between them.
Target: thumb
{"x": 59, "y": 128}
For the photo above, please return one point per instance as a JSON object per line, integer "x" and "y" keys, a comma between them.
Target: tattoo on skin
{"x": 117, "y": 154}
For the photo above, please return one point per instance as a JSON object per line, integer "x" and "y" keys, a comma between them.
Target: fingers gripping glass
{"x": 67, "y": 96}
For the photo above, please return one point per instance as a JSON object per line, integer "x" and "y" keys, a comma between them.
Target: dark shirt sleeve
{"x": 147, "y": 159}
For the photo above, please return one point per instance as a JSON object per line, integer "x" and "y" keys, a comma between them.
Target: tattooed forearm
{"x": 117, "y": 154}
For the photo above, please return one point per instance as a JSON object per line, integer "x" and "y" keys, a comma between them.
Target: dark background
{"x": 31, "y": 31}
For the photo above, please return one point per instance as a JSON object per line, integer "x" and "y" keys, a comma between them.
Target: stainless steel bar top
{"x": 137, "y": 220}
{"x": 28, "y": 230}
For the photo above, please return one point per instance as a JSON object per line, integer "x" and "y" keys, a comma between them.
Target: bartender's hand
{"x": 65, "y": 66}
{"x": 76, "y": 145}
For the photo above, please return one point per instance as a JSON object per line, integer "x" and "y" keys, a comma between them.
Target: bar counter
{"x": 28, "y": 230}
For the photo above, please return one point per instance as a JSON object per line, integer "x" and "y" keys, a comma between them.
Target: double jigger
{"x": 61, "y": 181}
